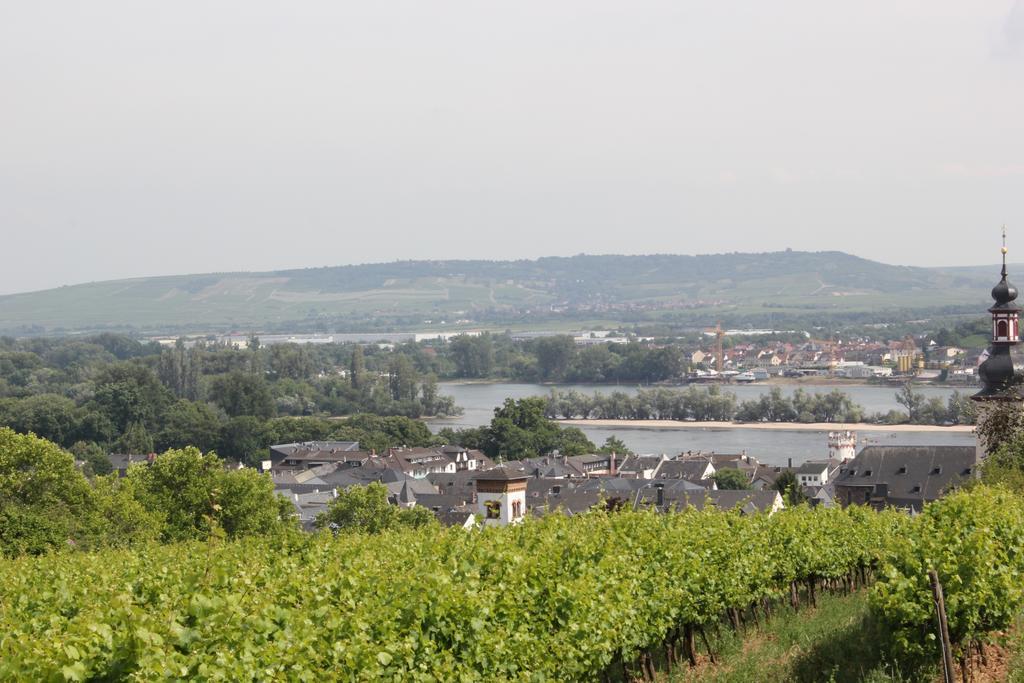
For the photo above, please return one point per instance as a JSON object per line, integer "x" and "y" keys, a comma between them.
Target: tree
{"x": 242, "y": 438}
{"x": 553, "y": 356}
{"x": 469, "y": 437}
{"x": 366, "y": 509}
{"x": 402, "y": 379}
{"x": 614, "y": 444}
{"x": 790, "y": 488}
{"x": 913, "y": 401}
{"x": 379, "y": 433}
{"x": 731, "y": 479}
{"x": 428, "y": 388}
{"x": 999, "y": 422}
{"x": 520, "y": 429}
{"x": 45, "y": 502}
{"x": 240, "y": 393}
{"x": 178, "y": 370}
{"x": 94, "y": 457}
{"x": 595, "y": 363}
{"x": 357, "y": 367}
{"x": 193, "y": 494}
{"x": 136, "y": 440}
{"x": 290, "y": 361}
{"x": 129, "y": 392}
{"x": 48, "y": 416}
{"x": 122, "y": 520}
{"x": 473, "y": 355}
{"x": 188, "y": 423}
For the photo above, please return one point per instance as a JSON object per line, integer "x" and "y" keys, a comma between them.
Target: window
{"x": 517, "y": 509}
{"x": 493, "y": 509}
{"x": 1001, "y": 327}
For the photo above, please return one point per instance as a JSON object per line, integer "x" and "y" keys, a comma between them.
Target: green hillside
{"x": 405, "y": 294}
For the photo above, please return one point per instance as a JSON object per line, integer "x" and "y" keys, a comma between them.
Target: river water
{"x": 776, "y": 447}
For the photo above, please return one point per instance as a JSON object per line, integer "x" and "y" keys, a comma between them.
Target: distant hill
{"x": 407, "y": 293}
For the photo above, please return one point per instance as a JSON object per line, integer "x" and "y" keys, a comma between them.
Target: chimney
{"x": 791, "y": 463}
{"x": 660, "y": 489}
{"x": 612, "y": 469}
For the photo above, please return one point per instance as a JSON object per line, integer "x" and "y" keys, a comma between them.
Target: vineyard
{"x": 591, "y": 597}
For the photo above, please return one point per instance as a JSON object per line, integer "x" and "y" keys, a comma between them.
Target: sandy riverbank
{"x": 777, "y": 426}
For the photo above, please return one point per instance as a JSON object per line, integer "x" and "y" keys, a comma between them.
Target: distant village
{"x": 750, "y": 356}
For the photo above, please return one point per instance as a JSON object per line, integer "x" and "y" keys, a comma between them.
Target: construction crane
{"x": 719, "y": 334}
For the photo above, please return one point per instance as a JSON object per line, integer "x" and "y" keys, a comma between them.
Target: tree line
{"x": 550, "y": 359}
{"x": 716, "y": 405}
{"x": 110, "y": 393}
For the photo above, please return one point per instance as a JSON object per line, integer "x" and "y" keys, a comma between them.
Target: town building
{"x": 501, "y": 495}
{"x": 904, "y": 476}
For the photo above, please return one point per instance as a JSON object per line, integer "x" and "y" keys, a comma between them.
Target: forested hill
{"x": 405, "y": 294}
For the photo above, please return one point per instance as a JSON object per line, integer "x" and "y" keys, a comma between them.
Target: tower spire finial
{"x": 1004, "y": 250}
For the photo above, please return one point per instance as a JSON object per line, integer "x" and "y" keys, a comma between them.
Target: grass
{"x": 837, "y": 642}
{"x": 1015, "y": 667}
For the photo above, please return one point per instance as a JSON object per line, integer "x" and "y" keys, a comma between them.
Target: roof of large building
{"x": 316, "y": 446}
{"x": 910, "y": 475}
{"x": 692, "y": 469}
{"x": 502, "y": 472}
{"x": 813, "y": 467}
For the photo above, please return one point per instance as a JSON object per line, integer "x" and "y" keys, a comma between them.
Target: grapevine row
{"x": 562, "y": 598}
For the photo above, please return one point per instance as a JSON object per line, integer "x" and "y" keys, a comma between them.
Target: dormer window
{"x": 937, "y": 469}
{"x": 867, "y": 473}
{"x": 902, "y": 470}
{"x": 916, "y": 489}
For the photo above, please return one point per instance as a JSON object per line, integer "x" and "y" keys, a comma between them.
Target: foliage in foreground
{"x": 974, "y": 540}
{"x": 433, "y": 604}
{"x": 425, "y": 604}
{"x": 47, "y": 505}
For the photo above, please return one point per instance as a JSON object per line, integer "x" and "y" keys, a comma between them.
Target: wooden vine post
{"x": 940, "y": 609}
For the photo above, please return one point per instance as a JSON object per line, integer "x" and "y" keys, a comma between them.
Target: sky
{"x": 148, "y": 138}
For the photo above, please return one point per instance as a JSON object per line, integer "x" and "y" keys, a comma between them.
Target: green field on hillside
{"x": 403, "y": 295}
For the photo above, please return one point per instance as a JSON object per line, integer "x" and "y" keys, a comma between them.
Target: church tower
{"x": 501, "y": 495}
{"x": 996, "y": 369}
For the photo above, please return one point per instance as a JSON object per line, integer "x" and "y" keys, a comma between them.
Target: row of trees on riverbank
{"x": 714, "y": 404}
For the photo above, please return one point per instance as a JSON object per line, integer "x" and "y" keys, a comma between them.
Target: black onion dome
{"x": 1004, "y": 292}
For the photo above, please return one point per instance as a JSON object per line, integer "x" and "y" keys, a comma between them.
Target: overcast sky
{"x": 144, "y": 138}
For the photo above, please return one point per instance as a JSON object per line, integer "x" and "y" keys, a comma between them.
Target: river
{"x": 478, "y": 402}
